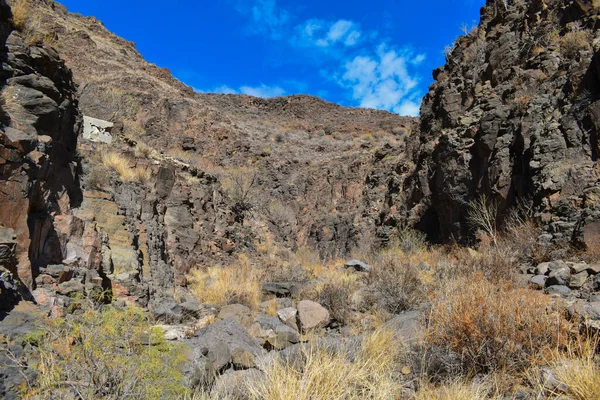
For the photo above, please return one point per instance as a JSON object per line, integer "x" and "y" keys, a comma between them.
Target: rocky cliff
{"x": 39, "y": 167}
{"x": 514, "y": 115}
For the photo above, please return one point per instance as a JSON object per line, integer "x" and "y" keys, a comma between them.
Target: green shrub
{"x": 108, "y": 354}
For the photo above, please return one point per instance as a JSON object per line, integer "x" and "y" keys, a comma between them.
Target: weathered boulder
{"x": 234, "y": 384}
{"x": 238, "y": 312}
{"x": 225, "y": 344}
{"x": 358, "y": 266}
{"x": 312, "y": 315}
{"x": 272, "y": 333}
{"x": 559, "y": 276}
{"x": 538, "y": 281}
{"x": 289, "y": 316}
{"x": 408, "y": 327}
{"x": 281, "y": 289}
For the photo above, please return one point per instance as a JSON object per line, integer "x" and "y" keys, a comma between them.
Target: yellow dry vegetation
{"x": 238, "y": 283}
{"x": 579, "y": 372}
{"x": 326, "y": 374}
{"x": 26, "y": 20}
{"x": 453, "y": 391}
{"x": 122, "y": 166}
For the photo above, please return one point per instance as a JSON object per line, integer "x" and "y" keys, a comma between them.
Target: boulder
{"x": 543, "y": 268}
{"x": 171, "y": 312}
{"x": 172, "y": 332}
{"x": 538, "y": 281}
{"x": 272, "y": 333}
{"x": 281, "y": 289}
{"x": 562, "y": 290}
{"x": 71, "y": 288}
{"x": 238, "y": 312}
{"x": 576, "y": 281}
{"x": 559, "y": 276}
{"x": 593, "y": 269}
{"x": 579, "y": 267}
{"x": 358, "y": 266}
{"x": 225, "y": 343}
{"x": 289, "y": 316}
{"x": 312, "y": 315}
{"x": 234, "y": 384}
{"x": 408, "y": 327}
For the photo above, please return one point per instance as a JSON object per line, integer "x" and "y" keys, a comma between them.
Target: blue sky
{"x": 374, "y": 54}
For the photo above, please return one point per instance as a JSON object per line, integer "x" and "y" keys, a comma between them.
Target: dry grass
{"x": 21, "y": 10}
{"x": 98, "y": 177}
{"x": 326, "y": 374}
{"x": 122, "y": 166}
{"x": 495, "y": 326}
{"x": 453, "y": 391}
{"x": 227, "y": 285}
{"x": 579, "y": 372}
{"x": 334, "y": 292}
{"x": 572, "y": 43}
{"x": 142, "y": 150}
{"x": 182, "y": 155}
{"x": 9, "y": 100}
{"x": 26, "y": 20}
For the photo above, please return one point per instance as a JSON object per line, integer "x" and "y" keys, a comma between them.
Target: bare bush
{"x": 495, "y": 326}
{"x": 482, "y": 215}
{"x": 393, "y": 285}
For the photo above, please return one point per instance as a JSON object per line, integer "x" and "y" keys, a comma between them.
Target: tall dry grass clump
{"x": 26, "y": 20}
{"x": 453, "y": 391}
{"x": 495, "y": 326}
{"x": 230, "y": 284}
{"x": 578, "y": 371}
{"x": 327, "y": 374}
{"x": 121, "y": 165}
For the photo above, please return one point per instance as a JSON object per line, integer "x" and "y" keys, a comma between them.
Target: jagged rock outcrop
{"x": 38, "y": 139}
{"x": 514, "y": 114}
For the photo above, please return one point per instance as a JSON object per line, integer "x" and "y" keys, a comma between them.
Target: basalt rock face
{"x": 38, "y": 139}
{"x": 514, "y": 115}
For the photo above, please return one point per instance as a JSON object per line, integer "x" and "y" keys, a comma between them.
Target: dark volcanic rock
{"x": 38, "y": 139}
{"x": 515, "y": 115}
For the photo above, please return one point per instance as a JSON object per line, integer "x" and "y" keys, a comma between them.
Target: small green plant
{"x": 106, "y": 354}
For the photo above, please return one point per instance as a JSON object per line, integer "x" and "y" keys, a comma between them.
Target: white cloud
{"x": 322, "y": 33}
{"x": 266, "y": 16}
{"x": 383, "y": 81}
{"x": 262, "y": 91}
{"x": 257, "y": 91}
{"x": 224, "y": 89}
{"x": 408, "y": 107}
{"x": 419, "y": 58}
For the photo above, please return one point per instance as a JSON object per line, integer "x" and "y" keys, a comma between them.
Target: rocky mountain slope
{"x": 514, "y": 115}
{"x": 225, "y": 174}
{"x": 226, "y": 217}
